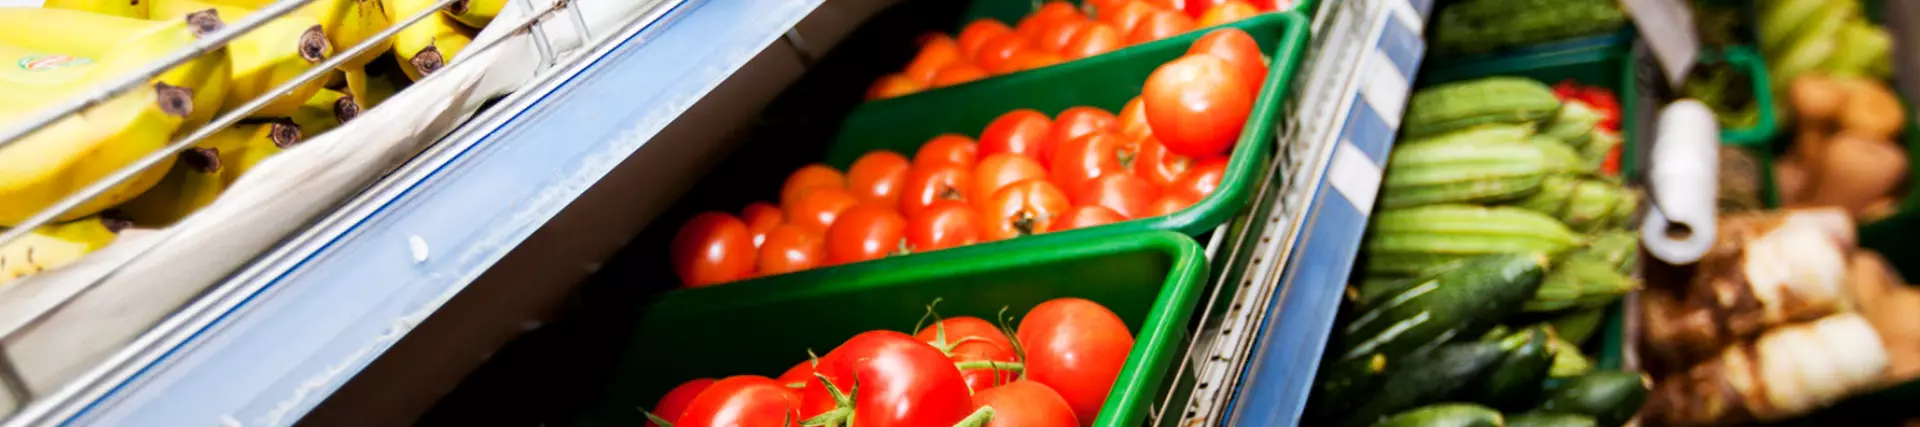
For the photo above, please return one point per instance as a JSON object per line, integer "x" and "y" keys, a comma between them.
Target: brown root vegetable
{"x": 1789, "y": 371}
{"x": 1879, "y": 209}
{"x": 1762, "y": 272}
{"x": 1857, "y": 170}
{"x": 1884, "y": 299}
{"x": 1871, "y": 109}
{"x": 1815, "y": 99}
{"x": 1810, "y": 147}
{"x": 1790, "y": 179}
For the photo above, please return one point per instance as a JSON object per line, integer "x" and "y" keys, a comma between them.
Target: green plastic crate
{"x": 1010, "y": 11}
{"x": 1762, "y": 131}
{"x": 1151, "y": 280}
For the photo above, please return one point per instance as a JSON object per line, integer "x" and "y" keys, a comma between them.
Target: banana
{"x": 244, "y": 145}
{"x": 325, "y": 111}
{"x": 266, "y": 57}
{"x": 475, "y": 13}
{"x": 108, "y": 41}
{"x": 136, "y": 9}
{"x": 346, "y": 22}
{"x": 56, "y": 245}
{"x": 428, "y": 45}
{"x": 193, "y": 182}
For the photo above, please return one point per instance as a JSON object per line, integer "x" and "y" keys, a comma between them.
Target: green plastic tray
{"x": 1151, "y": 280}
{"x": 1010, "y": 11}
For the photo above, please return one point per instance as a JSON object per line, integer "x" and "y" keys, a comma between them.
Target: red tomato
{"x": 820, "y": 207}
{"x": 972, "y": 339}
{"x": 801, "y": 373}
{"x": 1169, "y": 204}
{"x": 1195, "y": 8}
{"x": 1128, "y": 195}
{"x": 929, "y": 184}
{"x": 1032, "y": 59}
{"x": 1173, "y": 5}
{"x": 999, "y": 170}
{"x": 1201, "y": 180}
{"x": 1273, "y": 5}
{"x": 807, "y": 178}
{"x": 893, "y": 85}
{"x": 746, "y": 400}
{"x": 1157, "y": 165}
{"x": 712, "y": 248}
{"x": 675, "y": 402}
{"x": 761, "y": 217}
{"x": 1021, "y": 131}
{"x": 903, "y": 382}
{"x": 866, "y": 232}
{"x": 1046, "y": 17}
{"x": 1085, "y": 216}
{"x": 1197, "y": 104}
{"x": 1101, "y": 7}
{"x": 1057, "y": 37}
{"x": 1238, "y": 49}
{"x": 1096, "y": 38}
{"x": 977, "y": 33}
{"x": 1228, "y": 12}
{"x": 947, "y": 148}
{"x": 1085, "y": 158}
{"x": 957, "y": 73}
{"x": 791, "y": 248}
{"x": 1076, "y": 347}
{"x": 1159, "y": 25}
{"x": 1128, "y": 15}
{"x": 1026, "y": 404}
{"x": 997, "y": 53}
{"x": 877, "y": 176}
{"x": 1133, "y": 120}
{"x": 943, "y": 224}
{"x": 1082, "y": 120}
{"x": 1022, "y": 208}
{"x": 936, "y": 52}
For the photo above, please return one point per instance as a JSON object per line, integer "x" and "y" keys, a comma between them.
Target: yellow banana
{"x": 244, "y": 145}
{"x": 346, "y": 22}
{"x": 428, "y": 45}
{"x": 56, "y": 245}
{"x": 194, "y": 182}
{"x": 325, "y": 111}
{"x": 107, "y": 40}
{"x": 136, "y": 9}
{"x": 266, "y": 57}
{"x": 475, "y": 13}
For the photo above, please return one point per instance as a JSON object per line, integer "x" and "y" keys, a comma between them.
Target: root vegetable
{"x": 1790, "y": 179}
{"x": 1810, "y": 146}
{"x": 1857, "y": 169}
{"x": 1878, "y": 210}
{"x": 1816, "y": 99}
{"x": 1786, "y": 372}
{"x": 1888, "y": 304}
{"x": 1871, "y": 109}
{"x": 1763, "y": 271}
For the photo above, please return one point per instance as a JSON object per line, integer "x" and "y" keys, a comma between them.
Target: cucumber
{"x": 1568, "y": 362}
{"x": 1411, "y": 241}
{"x": 1461, "y": 302}
{"x": 1610, "y": 397}
{"x": 1475, "y": 26}
{"x": 1446, "y": 415}
{"x": 1551, "y": 420}
{"x": 1576, "y": 326}
{"x": 1515, "y": 382}
{"x": 1430, "y": 378}
{"x": 1343, "y": 386}
{"x": 1480, "y": 171}
{"x": 1461, "y": 105}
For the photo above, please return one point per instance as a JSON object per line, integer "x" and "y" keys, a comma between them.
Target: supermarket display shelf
{"x": 267, "y": 346}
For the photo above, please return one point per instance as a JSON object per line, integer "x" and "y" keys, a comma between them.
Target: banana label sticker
{"x": 51, "y": 62}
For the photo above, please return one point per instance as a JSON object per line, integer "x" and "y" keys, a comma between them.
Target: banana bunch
{"x": 266, "y": 57}
{"x": 346, "y": 23}
{"x": 56, "y": 245}
{"x": 432, "y": 43}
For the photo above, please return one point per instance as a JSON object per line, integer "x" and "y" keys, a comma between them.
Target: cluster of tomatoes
{"x": 1054, "y": 371}
{"x": 1057, "y": 32}
{"x": 1027, "y": 174}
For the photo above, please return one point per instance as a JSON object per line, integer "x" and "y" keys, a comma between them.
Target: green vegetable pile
{"x": 1830, "y": 36}
{"x": 1475, "y": 26}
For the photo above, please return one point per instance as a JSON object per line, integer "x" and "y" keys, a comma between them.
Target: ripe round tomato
{"x": 801, "y": 373}
{"x": 937, "y": 51}
{"x": 1085, "y": 216}
{"x": 999, "y": 170}
{"x": 977, "y": 33}
{"x": 1128, "y": 195}
{"x": 1056, "y": 38}
{"x": 1238, "y": 49}
{"x": 1023, "y": 208}
{"x": 893, "y": 85}
{"x": 943, "y": 224}
{"x": 926, "y": 185}
{"x": 1157, "y": 165}
{"x": 1076, "y": 347}
{"x": 1132, "y": 121}
{"x": 819, "y": 207}
{"x": 807, "y": 178}
{"x": 903, "y": 382}
{"x": 1195, "y": 8}
{"x": 1169, "y": 204}
{"x": 791, "y": 248}
{"x": 712, "y": 248}
{"x": 972, "y": 339}
{"x": 1273, "y": 5}
{"x": 1173, "y": 5}
{"x": 877, "y": 176}
{"x": 1032, "y": 59}
{"x": 1026, "y": 404}
{"x": 1046, "y": 17}
{"x": 1085, "y": 158}
{"x": 1159, "y": 25}
{"x": 1022, "y": 131}
{"x": 1076, "y": 121}
{"x": 1128, "y": 15}
{"x": 1228, "y": 12}
{"x": 675, "y": 402}
{"x": 1201, "y": 180}
{"x": 1102, "y": 7}
{"x": 1197, "y": 104}
{"x": 761, "y": 217}
{"x": 866, "y": 232}
{"x": 947, "y": 148}
{"x": 1094, "y": 39}
{"x": 956, "y": 73}
{"x": 745, "y": 400}
{"x": 995, "y": 55}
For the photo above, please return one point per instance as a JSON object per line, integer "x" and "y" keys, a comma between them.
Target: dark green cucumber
{"x": 1461, "y": 302}
{"x": 1576, "y": 326}
{"x": 1343, "y": 386}
{"x": 1425, "y": 379}
{"x": 1446, "y": 415}
{"x": 1515, "y": 383}
{"x": 1610, "y": 397}
{"x": 1551, "y": 420}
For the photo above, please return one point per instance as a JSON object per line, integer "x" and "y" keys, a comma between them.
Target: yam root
{"x": 1810, "y": 146}
{"x": 1764, "y": 270}
{"x": 1887, "y": 303}
{"x": 1871, "y": 109}
{"x": 1790, "y": 179}
{"x": 1816, "y": 100}
{"x": 1787, "y": 372}
{"x": 1858, "y": 170}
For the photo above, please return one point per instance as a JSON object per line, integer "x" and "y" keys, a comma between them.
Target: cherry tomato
{"x": 712, "y": 248}
{"x": 1195, "y": 8}
{"x": 1021, "y": 131}
{"x": 1238, "y": 49}
{"x": 1128, "y": 195}
{"x": 977, "y": 33}
{"x": 926, "y": 185}
{"x": 1082, "y": 120}
{"x": 1169, "y": 204}
{"x": 997, "y": 53}
{"x": 893, "y": 85}
{"x": 1197, "y": 104}
{"x": 1201, "y": 180}
{"x": 1085, "y": 216}
{"x": 877, "y": 176}
{"x": 1026, "y": 404}
{"x": 1056, "y": 38}
{"x": 943, "y": 224}
{"x": 1228, "y": 12}
{"x": 1023, "y": 208}
{"x": 1048, "y": 15}
{"x": 1128, "y": 15}
{"x": 806, "y": 179}
{"x": 745, "y": 400}
{"x": 947, "y": 148}
{"x": 791, "y": 248}
{"x": 1133, "y": 119}
{"x": 820, "y": 207}
{"x": 675, "y": 402}
{"x": 866, "y": 232}
{"x": 999, "y": 170}
{"x": 903, "y": 382}
{"x": 936, "y": 52}
{"x": 957, "y": 73}
{"x": 1157, "y": 165}
{"x": 1076, "y": 347}
{"x": 972, "y": 339}
{"x": 761, "y": 217}
{"x": 1096, "y": 38}
{"x": 1087, "y": 157}
{"x": 1159, "y": 25}
{"x": 1032, "y": 59}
